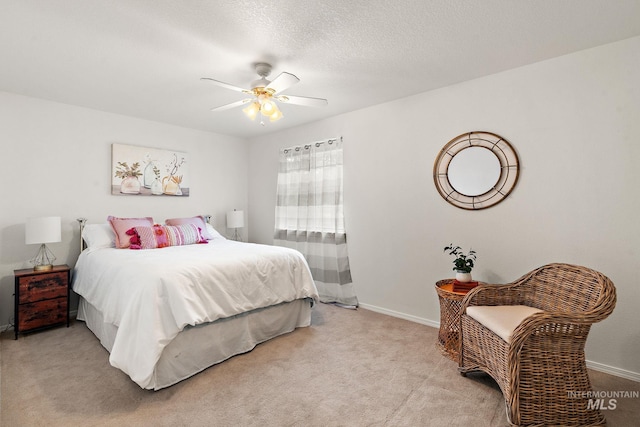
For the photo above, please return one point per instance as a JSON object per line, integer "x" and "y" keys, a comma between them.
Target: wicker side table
{"x": 450, "y": 304}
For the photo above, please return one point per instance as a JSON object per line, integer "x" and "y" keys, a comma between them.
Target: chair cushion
{"x": 501, "y": 319}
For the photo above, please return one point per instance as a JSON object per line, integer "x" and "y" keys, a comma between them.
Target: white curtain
{"x": 310, "y": 216}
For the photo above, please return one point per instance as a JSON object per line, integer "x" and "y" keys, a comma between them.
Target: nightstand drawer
{"x": 43, "y": 286}
{"x": 43, "y": 313}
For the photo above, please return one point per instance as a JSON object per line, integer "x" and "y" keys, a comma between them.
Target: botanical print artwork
{"x": 148, "y": 171}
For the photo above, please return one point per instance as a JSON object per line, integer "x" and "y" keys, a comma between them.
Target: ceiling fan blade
{"x": 283, "y": 82}
{"x": 232, "y": 105}
{"x": 226, "y": 85}
{"x": 303, "y": 100}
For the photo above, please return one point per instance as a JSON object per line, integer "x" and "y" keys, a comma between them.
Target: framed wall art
{"x": 146, "y": 171}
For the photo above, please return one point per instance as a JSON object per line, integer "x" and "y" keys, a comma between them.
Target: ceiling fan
{"x": 264, "y": 92}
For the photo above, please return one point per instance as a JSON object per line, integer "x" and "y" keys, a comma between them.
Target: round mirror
{"x": 476, "y": 170}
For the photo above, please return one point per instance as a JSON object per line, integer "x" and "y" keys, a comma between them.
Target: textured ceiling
{"x": 144, "y": 58}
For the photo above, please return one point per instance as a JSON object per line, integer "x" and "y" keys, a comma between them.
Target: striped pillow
{"x": 161, "y": 236}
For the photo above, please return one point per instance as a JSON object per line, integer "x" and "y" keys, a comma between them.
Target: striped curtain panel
{"x": 310, "y": 216}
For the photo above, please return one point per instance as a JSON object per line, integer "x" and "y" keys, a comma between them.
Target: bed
{"x": 165, "y": 314}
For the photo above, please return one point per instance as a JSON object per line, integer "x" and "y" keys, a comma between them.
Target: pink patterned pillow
{"x": 161, "y": 236}
{"x": 121, "y": 225}
{"x": 198, "y": 221}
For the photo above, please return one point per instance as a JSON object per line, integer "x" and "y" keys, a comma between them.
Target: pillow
{"x": 99, "y": 236}
{"x": 198, "y": 221}
{"x": 161, "y": 236}
{"x": 212, "y": 231}
{"x": 121, "y": 225}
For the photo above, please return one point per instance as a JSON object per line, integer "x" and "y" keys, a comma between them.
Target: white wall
{"x": 574, "y": 122}
{"x": 56, "y": 160}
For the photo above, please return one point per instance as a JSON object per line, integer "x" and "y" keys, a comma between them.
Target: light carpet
{"x": 350, "y": 368}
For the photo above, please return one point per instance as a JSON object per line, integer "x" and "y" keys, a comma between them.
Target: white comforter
{"x": 151, "y": 295}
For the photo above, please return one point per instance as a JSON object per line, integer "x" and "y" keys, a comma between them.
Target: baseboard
{"x": 612, "y": 370}
{"x": 596, "y": 366}
{"x": 400, "y": 315}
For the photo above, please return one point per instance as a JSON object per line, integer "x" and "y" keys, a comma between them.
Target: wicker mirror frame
{"x": 509, "y": 170}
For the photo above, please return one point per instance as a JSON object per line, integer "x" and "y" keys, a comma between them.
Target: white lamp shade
{"x": 42, "y": 230}
{"x": 235, "y": 219}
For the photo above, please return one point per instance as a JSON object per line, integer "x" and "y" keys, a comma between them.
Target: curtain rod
{"x": 316, "y": 143}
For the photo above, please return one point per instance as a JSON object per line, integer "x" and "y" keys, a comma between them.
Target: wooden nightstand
{"x": 41, "y": 298}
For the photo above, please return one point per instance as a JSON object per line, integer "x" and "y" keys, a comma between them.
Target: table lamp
{"x": 235, "y": 220}
{"x": 40, "y": 231}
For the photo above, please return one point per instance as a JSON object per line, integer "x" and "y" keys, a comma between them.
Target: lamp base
{"x": 43, "y": 261}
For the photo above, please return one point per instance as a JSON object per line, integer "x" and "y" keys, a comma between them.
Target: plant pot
{"x": 156, "y": 187}
{"x": 171, "y": 185}
{"x": 463, "y": 277}
{"x": 149, "y": 175}
{"x": 130, "y": 185}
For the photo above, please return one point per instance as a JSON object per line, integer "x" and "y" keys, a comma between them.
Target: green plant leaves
{"x": 463, "y": 263}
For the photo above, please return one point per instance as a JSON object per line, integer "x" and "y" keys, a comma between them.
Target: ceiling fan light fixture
{"x": 277, "y": 115}
{"x": 264, "y": 94}
{"x": 268, "y": 107}
{"x": 252, "y": 110}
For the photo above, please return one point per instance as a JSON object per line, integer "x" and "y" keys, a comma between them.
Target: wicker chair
{"x": 541, "y": 371}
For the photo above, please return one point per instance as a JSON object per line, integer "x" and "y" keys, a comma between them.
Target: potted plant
{"x": 129, "y": 175}
{"x": 463, "y": 262}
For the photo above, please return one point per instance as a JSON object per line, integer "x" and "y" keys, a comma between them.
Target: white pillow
{"x": 99, "y": 236}
{"x": 213, "y": 232}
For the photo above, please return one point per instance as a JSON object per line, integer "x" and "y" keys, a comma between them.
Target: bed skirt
{"x": 198, "y": 347}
